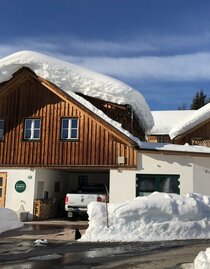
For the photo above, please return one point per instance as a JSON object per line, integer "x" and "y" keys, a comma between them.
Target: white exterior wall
{"x": 194, "y": 174}
{"x": 122, "y": 185}
{"x": 168, "y": 164}
{"x": 201, "y": 178}
{"x": 14, "y": 199}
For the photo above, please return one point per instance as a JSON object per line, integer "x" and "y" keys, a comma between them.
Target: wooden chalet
{"x": 47, "y": 135}
{"x": 95, "y": 144}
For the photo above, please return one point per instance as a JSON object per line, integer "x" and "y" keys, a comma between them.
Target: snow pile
{"x": 71, "y": 78}
{"x": 199, "y": 116}
{"x": 202, "y": 261}
{"x": 158, "y": 216}
{"x": 41, "y": 243}
{"x": 8, "y": 220}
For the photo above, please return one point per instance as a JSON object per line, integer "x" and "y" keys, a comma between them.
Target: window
{"x": 32, "y": 129}
{"x": 1, "y": 129}
{"x": 145, "y": 184}
{"x": 161, "y": 139}
{"x": 69, "y": 128}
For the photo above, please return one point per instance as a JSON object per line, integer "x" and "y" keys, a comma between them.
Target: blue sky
{"x": 160, "y": 47}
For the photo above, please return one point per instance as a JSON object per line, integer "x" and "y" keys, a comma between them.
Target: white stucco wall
{"x": 194, "y": 174}
{"x": 168, "y": 164}
{"x": 201, "y": 179}
{"x": 122, "y": 185}
{"x": 14, "y": 199}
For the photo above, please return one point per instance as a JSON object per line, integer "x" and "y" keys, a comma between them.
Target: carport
{"x": 51, "y": 187}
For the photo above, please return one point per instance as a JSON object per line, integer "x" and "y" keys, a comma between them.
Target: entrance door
{"x": 3, "y": 183}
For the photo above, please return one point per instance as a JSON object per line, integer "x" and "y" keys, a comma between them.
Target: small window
{"x": 32, "y": 129}
{"x": 1, "y": 129}
{"x": 69, "y": 128}
{"x": 161, "y": 139}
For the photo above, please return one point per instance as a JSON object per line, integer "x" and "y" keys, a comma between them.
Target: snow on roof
{"x": 72, "y": 78}
{"x": 192, "y": 121}
{"x": 173, "y": 147}
{"x": 164, "y": 121}
{"x": 156, "y": 217}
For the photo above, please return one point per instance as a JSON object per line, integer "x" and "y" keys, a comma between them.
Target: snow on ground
{"x": 8, "y": 220}
{"x": 202, "y": 261}
{"x": 71, "y": 78}
{"x": 158, "y": 216}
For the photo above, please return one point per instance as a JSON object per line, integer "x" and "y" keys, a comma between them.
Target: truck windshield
{"x": 93, "y": 189}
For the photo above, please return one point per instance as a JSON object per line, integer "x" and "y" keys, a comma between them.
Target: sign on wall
{"x": 20, "y": 186}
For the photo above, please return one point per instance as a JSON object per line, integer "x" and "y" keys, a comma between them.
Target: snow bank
{"x": 158, "y": 216}
{"x": 71, "y": 78}
{"x": 8, "y": 220}
{"x": 202, "y": 261}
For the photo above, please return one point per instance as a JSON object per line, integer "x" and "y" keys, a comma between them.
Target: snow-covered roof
{"x": 72, "y": 78}
{"x": 198, "y": 117}
{"x": 165, "y": 120}
{"x": 173, "y": 147}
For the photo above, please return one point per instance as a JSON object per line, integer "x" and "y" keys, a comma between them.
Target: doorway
{"x": 3, "y": 184}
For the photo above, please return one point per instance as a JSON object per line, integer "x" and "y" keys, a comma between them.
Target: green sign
{"x": 20, "y": 186}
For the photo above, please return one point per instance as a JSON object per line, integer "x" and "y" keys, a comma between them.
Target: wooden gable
{"x": 199, "y": 135}
{"x": 28, "y": 96}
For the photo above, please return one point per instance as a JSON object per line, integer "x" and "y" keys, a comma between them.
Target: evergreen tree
{"x": 199, "y": 100}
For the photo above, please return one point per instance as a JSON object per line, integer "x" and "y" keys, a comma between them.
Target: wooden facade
{"x": 28, "y": 96}
{"x": 200, "y": 135}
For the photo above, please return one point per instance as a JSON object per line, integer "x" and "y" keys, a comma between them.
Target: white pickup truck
{"x": 76, "y": 203}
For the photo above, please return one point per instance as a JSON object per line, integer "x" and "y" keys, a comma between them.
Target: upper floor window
{"x": 69, "y": 128}
{"x": 161, "y": 139}
{"x": 32, "y": 129}
{"x": 1, "y": 129}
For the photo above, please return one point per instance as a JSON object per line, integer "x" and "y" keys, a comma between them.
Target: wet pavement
{"x": 18, "y": 252}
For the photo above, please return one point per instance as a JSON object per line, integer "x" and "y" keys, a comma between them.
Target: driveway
{"x": 18, "y": 251}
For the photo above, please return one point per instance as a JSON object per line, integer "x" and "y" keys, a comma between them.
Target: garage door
{"x": 148, "y": 183}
